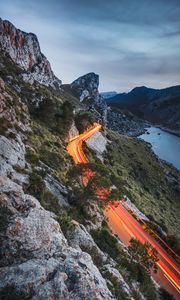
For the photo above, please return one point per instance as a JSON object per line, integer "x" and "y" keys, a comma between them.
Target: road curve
{"x": 125, "y": 225}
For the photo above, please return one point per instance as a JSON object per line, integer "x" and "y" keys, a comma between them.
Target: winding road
{"x": 125, "y": 225}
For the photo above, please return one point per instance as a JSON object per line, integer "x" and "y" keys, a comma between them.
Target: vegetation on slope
{"x": 152, "y": 185}
{"x": 50, "y": 123}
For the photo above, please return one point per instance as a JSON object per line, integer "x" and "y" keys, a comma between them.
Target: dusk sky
{"x": 127, "y": 42}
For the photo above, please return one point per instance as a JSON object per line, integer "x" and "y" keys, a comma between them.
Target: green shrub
{"x": 49, "y": 201}
{"x": 64, "y": 220}
{"x": 36, "y": 185}
{"x": 115, "y": 287}
{"x": 31, "y": 156}
{"x": 4, "y": 126}
{"x": 11, "y": 293}
{"x": 106, "y": 242}
{"x": 51, "y": 158}
{"x": 96, "y": 257}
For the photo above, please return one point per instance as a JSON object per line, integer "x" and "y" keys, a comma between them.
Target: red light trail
{"x": 119, "y": 215}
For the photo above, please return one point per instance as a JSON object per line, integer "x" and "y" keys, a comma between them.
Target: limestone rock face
{"x": 78, "y": 237}
{"x": 97, "y": 143}
{"x": 36, "y": 258}
{"x": 58, "y": 190}
{"x": 86, "y": 87}
{"x": 95, "y": 216}
{"x": 11, "y": 153}
{"x": 24, "y": 50}
{"x": 73, "y": 131}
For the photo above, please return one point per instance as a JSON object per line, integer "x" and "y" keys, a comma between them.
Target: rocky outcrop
{"x": 78, "y": 237}
{"x": 24, "y": 50}
{"x": 73, "y": 131}
{"x": 97, "y": 143}
{"x": 86, "y": 87}
{"x": 58, "y": 190}
{"x": 125, "y": 122}
{"x": 36, "y": 258}
{"x": 94, "y": 215}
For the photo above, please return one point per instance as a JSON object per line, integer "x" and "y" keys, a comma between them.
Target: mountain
{"x": 55, "y": 239}
{"x": 158, "y": 106}
{"x": 86, "y": 87}
{"x": 107, "y": 95}
{"x": 23, "y": 48}
{"x": 142, "y": 96}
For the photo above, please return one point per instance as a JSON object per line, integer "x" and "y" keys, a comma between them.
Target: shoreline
{"x": 170, "y": 164}
{"x": 176, "y": 133}
{"x": 148, "y": 125}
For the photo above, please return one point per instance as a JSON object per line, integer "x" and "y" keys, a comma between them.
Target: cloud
{"x": 127, "y": 42}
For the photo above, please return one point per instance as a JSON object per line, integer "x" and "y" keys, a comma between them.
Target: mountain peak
{"x": 24, "y": 50}
{"x": 142, "y": 88}
{"x": 86, "y": 86}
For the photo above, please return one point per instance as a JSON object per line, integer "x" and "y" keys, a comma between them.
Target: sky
{"x": 127, "y": 42}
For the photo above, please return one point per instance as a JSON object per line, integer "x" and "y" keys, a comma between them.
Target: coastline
{"x": 174, "y": 132}
{"x": 150, "y": 146}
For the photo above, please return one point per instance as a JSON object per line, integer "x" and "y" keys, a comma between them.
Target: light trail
{"x": 169, "y": 267}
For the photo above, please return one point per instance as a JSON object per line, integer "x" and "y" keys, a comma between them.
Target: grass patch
{"x": 145, "y": 180}
{"x": 50, "y": 149}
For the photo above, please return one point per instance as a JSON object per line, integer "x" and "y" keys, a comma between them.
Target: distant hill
{"x": 107, "y": 95}
{"x": 160, "y": 106}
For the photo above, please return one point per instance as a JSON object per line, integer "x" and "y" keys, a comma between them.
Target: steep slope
{"x": 24, "y": 50}
{"x": 53, "y": 245}
{"x": 86, "y": 89}
{"x": 37, "y": 205}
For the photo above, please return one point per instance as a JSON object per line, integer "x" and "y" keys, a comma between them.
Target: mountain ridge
{"x": 159, "y": 106}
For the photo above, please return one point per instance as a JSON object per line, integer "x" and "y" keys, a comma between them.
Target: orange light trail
{"x": 169, "y": 267}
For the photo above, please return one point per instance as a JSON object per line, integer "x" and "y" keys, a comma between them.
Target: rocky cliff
{"x": 44, "y": 253}
{"x": 86, "y": 87}
{"x": 24, "y": 50}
